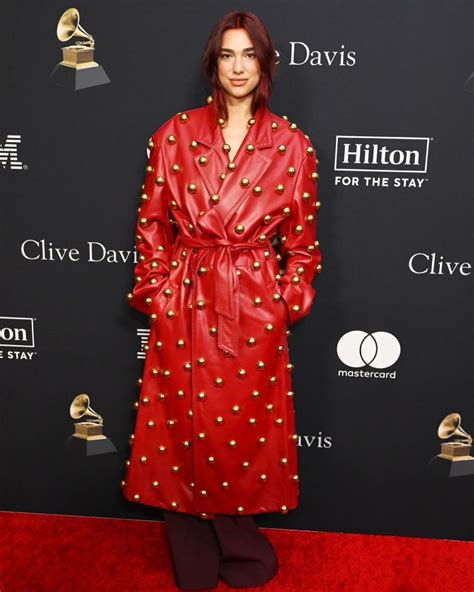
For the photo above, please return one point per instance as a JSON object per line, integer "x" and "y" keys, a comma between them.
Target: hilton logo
{"x": 381, "y": 154}
{"x": 17, "y": 338}
{"x": 9, "y": 153}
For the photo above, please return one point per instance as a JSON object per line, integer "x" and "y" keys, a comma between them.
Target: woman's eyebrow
{"x": 232, "y": 51}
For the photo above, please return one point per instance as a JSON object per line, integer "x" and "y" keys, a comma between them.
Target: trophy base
{"x": 444, "y": 466}
{"x": 92, "y": 446}
{"x": 78, "y": 78}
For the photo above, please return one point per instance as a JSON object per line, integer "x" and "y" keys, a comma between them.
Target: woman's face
{"x": 237, "y": 66}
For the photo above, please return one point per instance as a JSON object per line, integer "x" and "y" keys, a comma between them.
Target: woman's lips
{"x": 238, "y": 82}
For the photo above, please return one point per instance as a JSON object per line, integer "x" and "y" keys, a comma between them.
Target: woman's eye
{"x": 251, "y": 55}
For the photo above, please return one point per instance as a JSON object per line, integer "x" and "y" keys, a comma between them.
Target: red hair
{"x": 264, "y": 50}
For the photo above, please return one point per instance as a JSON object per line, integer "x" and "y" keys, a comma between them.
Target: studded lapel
{"x": 252, "y": 166}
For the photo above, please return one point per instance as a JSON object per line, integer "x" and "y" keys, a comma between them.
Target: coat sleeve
{"x": 154, "y": 233}
{"x": 299, "y": 246}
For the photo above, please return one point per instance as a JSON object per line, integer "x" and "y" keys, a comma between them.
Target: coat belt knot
{"x": 225, "y": 286}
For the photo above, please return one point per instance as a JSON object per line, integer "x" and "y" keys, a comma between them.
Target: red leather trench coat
{"x": 215, "y": 429}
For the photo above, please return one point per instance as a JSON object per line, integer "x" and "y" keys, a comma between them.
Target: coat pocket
{"x": 274, "y": 290}
{"x": 164, "y": 296}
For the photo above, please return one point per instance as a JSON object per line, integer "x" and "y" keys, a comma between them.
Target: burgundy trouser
{"x": 231, "y": 547}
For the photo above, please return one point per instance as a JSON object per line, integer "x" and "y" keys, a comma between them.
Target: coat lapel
{"x": 253, "y": 166}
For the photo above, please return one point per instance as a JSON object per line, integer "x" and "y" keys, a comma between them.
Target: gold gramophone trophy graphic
{"x": 77, "y": 70}
{"x": 88, "y": 435}
{"x": 455, "y": 458}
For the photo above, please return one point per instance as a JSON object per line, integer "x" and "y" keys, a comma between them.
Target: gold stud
{"x": 191, "y": 188}
{"x": 235, "y": 409}
{"x": 250, "y": 148}
{"x": 284, "y": 509}
{"x": 221, "y": 121}
{"x": 239, "y": 229}
{"x": 180, "y": 394}
{"x": 251, "y": 121}
{"x": 225, "y": 485}
{"x": 314, "y": 176}
{"x": 136, "y": 497}
{"x": 318, "y": 205}
{"x": 145, "y": 401}
{"x": 281, "y": 149}
{"x": 175, "y": 469}
{"x": 291, "y": 171}
{"x": 292, "y": 127}
{"x": 214, "y": 199}
{"x": 143, "y": 460}
{"x": 211, "y": 460}
{"x": 219, "y": 420}
{"x": 201, "y": 362}
{"x": 149, "y": 169}
{"x": 209, "y": 99}
{"x": 240, "y": 509}
{"x": 298, "y": 229}
{"x": 171, "y": 423}
{"x": 186, "y": 444}
{"x": 201, "y": 436}
{"x": 184, "y": 117}
{"x": 252, "y": 421}
{"x": 201, "y": 396}
{"x": 279, "y": 421}
{"x": 203, "y": 493}
{"x": 202, "y": 160}
{"x": 256, "y": 265}
{"x": 160, "y": 180}
{"x": 280, "y": 188}
{"x": 267, "y": 219}
{"x": 242, "y": 373}
{"x": 255, "y": 394}
{"x": 275, "y": 126}
{"x": 309, "y": 150}
{"x": 284, "y": 461}
{"x": 251, "y": 341}
{"x": 269, "y": 328}
{"x": 263, "y": 477}
{"x": 231, "y": 166}
{"x": 150, "y": 424}
{"x": 193, "y": 145}
{"x": 245, "y": 464}
{"x": 262, "y": 440}
{"x": 261, "y": 365}
{"x": 155, "y": 484}
{"x": 244, "y": 181}
{"x": 257, "y": 190}
{"x": 171, "y": 139}
{"x": 151, "y": 144}
{"x": 257, "y": 302}
{"x": 226, "y": 148}
{"x": 232, "y": 443}
{"x": 174, "y": 505}
{"x": 162, "y": 449}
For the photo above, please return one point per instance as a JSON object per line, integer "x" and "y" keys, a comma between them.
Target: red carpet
{"x": 50, "y": 553}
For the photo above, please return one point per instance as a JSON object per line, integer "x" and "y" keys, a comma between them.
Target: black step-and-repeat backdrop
{"x": 385, "y": 92}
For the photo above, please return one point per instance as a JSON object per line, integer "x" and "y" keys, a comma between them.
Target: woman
{"x": 230, "y": 192}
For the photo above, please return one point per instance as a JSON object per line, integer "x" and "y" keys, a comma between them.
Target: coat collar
{"x": 209, "y": 133}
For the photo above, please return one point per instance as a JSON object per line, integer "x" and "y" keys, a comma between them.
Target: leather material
{"x": 215, "y": 428}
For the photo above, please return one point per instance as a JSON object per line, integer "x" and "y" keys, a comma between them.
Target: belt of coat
{"x": 225, "y": 286}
